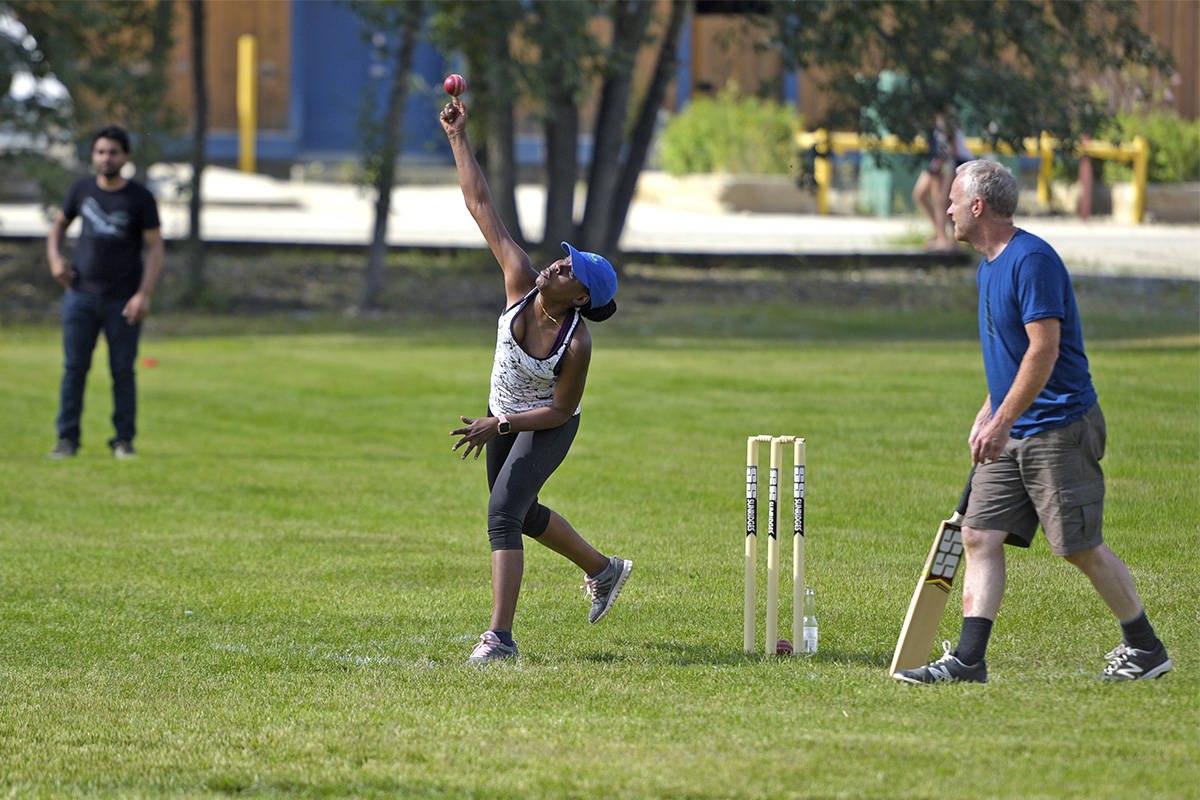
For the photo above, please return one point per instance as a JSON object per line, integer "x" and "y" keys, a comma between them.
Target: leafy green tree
{"x": 111, "y": 55}
{"x": 544, "y": 52}
{"x": 482, "y": 32}
{"x": 557, "y": 70}
{"x": 629, "y": 21}
{"x": 35, "y": 119}
{"x": 1013, "y": 67}
{"x": 382, "y": 139}
{"x": 642, "y": 134}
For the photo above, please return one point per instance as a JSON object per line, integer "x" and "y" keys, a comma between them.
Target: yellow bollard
{"x": 1045, "y": 170}
{"x": 247, "y": 100}
{"x": 1141, "y": 169}
{"x": 823, "y": 171}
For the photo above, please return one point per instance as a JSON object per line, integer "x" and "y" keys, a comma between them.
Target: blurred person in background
{"x": 108, "y": 286}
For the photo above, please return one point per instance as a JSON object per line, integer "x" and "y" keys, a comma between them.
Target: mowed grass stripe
{"x": 277, "y": 598}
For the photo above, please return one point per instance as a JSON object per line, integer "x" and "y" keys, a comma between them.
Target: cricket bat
{"x": 933, "y": 590}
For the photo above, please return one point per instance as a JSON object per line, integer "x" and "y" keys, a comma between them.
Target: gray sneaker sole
{"x": 495, "y": 655}
{"x": 912, "y": 680}
{"x": 915, "y": 682}
{"x": 481, "y": 660}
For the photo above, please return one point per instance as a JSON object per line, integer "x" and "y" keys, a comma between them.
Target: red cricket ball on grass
{"x": 783, "y": 647}
{"x": 454, "y": 84}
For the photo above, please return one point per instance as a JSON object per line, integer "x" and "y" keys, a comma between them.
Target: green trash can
{"x": 874, "y": 186}
{"x": 885, "y": 182}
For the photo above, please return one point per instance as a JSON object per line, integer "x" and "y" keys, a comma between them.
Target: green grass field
{"x": 278, "y": 596}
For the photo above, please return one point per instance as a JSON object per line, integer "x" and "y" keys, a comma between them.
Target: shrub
{"x": 1174, "y": 146}
{"x": 727, "y": 134}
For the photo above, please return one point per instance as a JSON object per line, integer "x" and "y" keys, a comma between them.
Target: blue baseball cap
{"x": 594, "y": 272}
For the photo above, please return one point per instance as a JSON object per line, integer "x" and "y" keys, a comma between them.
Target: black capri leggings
{"x": 518, "y": 465}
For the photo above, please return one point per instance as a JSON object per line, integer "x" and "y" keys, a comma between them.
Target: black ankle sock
{"x": 973, "y": 640}
{"x": 1139, "y": 633}
{"x": 505, "y": 636}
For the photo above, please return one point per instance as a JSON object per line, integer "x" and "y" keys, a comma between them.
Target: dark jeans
{"x": 84, "y": 315}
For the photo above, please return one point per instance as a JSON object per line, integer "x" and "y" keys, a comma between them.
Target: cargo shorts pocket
{"x": 1081, "y": 495}
{"x": 1077, "y": 523}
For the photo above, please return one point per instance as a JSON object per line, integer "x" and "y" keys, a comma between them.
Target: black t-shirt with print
{"x": 108, "y": 256}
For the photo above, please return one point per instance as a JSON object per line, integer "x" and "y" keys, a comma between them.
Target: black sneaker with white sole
{"x": 947, "y": 669}
{"x": 122, "y": 449}
{"x": 64, "y": 449}
{"x": 1127, "y": 663}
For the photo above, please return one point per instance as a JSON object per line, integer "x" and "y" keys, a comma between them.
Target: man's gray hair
{"x": 991, "y": 182}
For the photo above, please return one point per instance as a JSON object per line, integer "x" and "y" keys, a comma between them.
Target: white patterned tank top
{"x": 521, "y": 382}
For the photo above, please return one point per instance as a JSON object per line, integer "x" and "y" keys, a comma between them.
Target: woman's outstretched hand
{"x": 478, "y": 432}
{"x": 454, "y": 117}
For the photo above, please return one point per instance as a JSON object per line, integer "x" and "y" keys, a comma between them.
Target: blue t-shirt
{"x": 1028, "y": 282}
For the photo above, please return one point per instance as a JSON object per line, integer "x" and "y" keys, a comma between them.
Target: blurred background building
{"x": 316, "y": 65}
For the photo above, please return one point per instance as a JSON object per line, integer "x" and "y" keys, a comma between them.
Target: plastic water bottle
{"x": 809, "y": 645}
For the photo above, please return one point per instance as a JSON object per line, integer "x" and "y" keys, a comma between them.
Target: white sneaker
{"x": 490, "y": 648}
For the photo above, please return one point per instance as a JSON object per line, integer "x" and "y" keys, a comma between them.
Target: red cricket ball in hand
{"x": 454, "y": 84}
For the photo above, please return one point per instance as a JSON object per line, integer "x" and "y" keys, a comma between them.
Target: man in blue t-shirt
{"x": 1038, "y": 439}
{"x": 108, "y": 286}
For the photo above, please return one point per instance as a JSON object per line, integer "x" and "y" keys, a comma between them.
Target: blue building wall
{"x": 337, "y": 70}
{"x": 335, "y": 74}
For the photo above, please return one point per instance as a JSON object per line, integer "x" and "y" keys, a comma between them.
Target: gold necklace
{"x": 542, "y": 305}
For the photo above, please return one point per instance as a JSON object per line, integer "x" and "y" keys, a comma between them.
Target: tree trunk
{"x": 562, "y": 168}
{"x": 502, "y": 169}
{"x": 196, "y": 283}
{"x": 499, "y": 141}
{"x": 151, "y": 148}
{"x": 629, "y": 27}
{"x": 643, "y": 130}
{"x": 386, "y": 174}
{"x": 560, "y": 81}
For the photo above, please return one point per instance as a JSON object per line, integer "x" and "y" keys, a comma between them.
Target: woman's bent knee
{"x": 504, "y": 531}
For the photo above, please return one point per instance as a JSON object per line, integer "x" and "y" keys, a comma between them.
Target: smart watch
{"x": 504, "y": 426}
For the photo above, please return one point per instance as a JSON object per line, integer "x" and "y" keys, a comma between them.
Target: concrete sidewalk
{"x": 259, "y": 209}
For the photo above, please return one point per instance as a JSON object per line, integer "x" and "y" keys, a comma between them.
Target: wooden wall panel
{"x": 723, "y": 49}
{"x": 1175, "y": 24}
{"x": 226, "y": 20}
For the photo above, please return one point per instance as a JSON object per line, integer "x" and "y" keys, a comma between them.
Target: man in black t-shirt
{"x": 108, "y": 287}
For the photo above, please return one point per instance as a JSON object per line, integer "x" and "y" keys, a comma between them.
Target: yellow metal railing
{"x": 829, "y": 143}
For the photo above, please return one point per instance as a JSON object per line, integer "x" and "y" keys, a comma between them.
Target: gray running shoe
{"x": 123, "y": 449}
{"x": 490, "y": 648}
{"x": 604, "y": 588}
{"x": 946, "y": 669}
{"x": 1130, "y": 664}
{"x": 64, "y": 449}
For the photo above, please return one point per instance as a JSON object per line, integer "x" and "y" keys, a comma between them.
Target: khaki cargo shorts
{"x": 1052, "y": 477}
